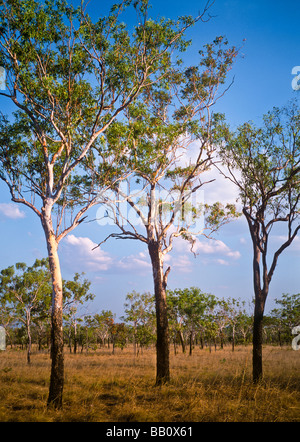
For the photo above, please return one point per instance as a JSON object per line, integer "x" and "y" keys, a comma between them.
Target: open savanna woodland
{"x": 110, "y": 366}
{"x": 149, "y": 212}
{"x": 101, "y": 386}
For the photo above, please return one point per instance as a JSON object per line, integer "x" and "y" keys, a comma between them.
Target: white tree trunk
{"x": 57, "y": 367}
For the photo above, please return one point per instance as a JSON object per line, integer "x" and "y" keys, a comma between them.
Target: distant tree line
{"x": 195, "y": 318}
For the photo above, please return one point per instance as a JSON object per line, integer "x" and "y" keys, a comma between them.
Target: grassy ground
{"x": 211, "y": 387}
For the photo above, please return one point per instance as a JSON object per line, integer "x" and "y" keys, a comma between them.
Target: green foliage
{"x": 26, "y": 291}
{"x": 70, "y": 78}
{"x": 195, "y": 317}
{"x": 267, "y": 159}
{"x": 76, "y": 291}
{"x": 288, "y": 311}
{"x": 102, "y": 323}
{"x": 155, "y": 139}
{"x": 25, "y": 298}
{"x": 140, "y": 315}
{"x": 189, "y": 306}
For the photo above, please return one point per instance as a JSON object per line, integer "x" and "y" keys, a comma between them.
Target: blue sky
{"x": 223, "y": 267}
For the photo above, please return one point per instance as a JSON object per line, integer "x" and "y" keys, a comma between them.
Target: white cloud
{"x": 134, "y": 262}
{"x": 182, "y": 263}
{"x": 205, "y": 246}
{"x": 215, "y": 247}
{"x": 79, "y": 254}
{"x": 11, "y": 211}
{"x": 221, "y": 189}
{"x": 222, "y": 262}
{"x": 80, "y": 249}
{"x": 77, "y": 251}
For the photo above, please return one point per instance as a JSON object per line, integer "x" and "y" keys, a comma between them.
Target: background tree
{"x": 118, "y": 335}
{"x": 69, "y": 78}
{"x": 286, "y": 315}
{"x": 102, "y": 323}
{"x": 175, "y": 318}
{"x": 88, "y": 333}
{"x": 221, "y": 320}
{"x": 75, "y": 294}
{"x": 233, "y": 310}
{"x": 264, "y": 163}
{"x": 191, "y": 307}
{"x": 139, "y": 312}
{"x": 25, "y": 289}
{"x": 6, "y": 316}
{"x": 245, "y": 325}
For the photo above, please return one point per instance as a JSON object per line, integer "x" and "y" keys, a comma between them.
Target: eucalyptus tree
{"x": 286, "y": 314}
{"x": 234, "y": 310}
{"x": 6, "y": 318}
{"x": 76, "y": 292}
{"x": 175, "y": 318}
{"x": 162, "y": 128}
{"x": 139, "y": 311}
{"x": 264, "y": 163}
{"x": 68, "y": 78}
{"x": 27, "y": 290}
{"x": 102, "y": 323}
{"x": 191, "y": 307}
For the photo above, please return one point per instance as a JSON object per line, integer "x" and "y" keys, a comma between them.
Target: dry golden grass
{"x": 211, "y": 387}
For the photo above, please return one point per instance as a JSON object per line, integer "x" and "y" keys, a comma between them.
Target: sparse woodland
{"x": 104, "y": 114}
{"x": 196, "y": 319}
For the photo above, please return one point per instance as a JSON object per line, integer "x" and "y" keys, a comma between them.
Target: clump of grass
{"x": 208, "y": 387}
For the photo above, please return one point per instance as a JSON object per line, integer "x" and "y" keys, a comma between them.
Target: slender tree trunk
{"x": 75, "y": 338}
{"x": 162, "y": 344}
{"x": 258, "y": 307}
{"x": 201, "y": 342}
{"x": 29, "y": 337}
{"x": 175, "y": 347}
{"x": 70, "y": 340}
{"x": 191, "y": 343}
{"x": 57, "y": 356}
{"x": 87, "y": 339}
{"x": 181, "y": 341}
{"x": 134, "y": 340}
{"x": 260, "y": 293}
{"x": 222, "y": 340}
{"x": 258, "y": 338}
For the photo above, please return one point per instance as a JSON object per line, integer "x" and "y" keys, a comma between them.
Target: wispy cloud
{"x": 222, "y": 262}
{"x": 182, "y": 264}
{"x": 11, "y": 211}
{"x": 140, "y": 262}
{"x": 217, "y": 187}
{"x": 80, "y": 250}
{"x": 215, "y": 249}
{"x": 78, "y": 255}
{"x": 221, "y": 189}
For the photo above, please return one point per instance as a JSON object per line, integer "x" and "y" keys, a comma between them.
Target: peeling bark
{"x": 57, "y": 356}
{"x": 162, "y": 344}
